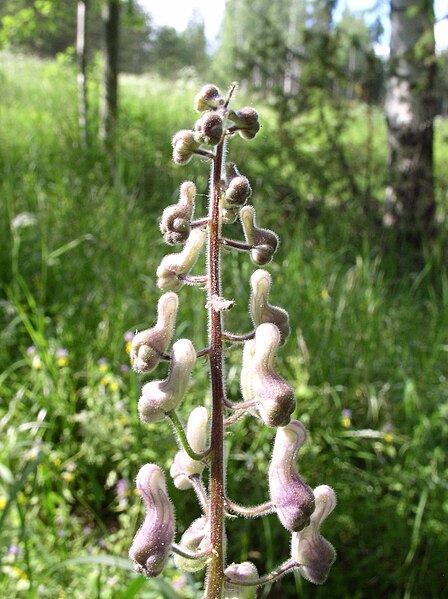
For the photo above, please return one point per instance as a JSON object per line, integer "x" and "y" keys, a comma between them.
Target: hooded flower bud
{"x": 275, "y": 398}
{"x": 173, "y": 265}
{"x": 175, "y": 223}
{"x": 148, "y": 345}
{"x": 246, "y": 119}
{"x": 159, "y": 397}
{"x": 152, "y": 544}
{"x": 238, "y": 189}
{"x": 195, "y": 540}
{"x": 292, "y": 497}
{"x": 208, "y": 98}
{"x": 184, "y": 146}
{"x": 264, "y": 241}
{"x": 240, "y": 572}
{"x": 209, "y": 129}
{"x": 308, "y": 547}
{"x": 261, "y": 310}
{"x": 184, "y": 466}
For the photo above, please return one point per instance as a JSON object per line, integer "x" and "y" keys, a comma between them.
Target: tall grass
{"x": 79, "y": 249}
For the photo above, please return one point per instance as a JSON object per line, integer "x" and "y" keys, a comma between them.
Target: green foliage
{"x": 78, "y": 252}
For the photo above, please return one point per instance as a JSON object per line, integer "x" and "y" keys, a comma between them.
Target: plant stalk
{"x": 215, "y": 578}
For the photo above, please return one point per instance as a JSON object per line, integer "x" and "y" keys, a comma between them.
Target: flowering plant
{"x": 265, "y": 395}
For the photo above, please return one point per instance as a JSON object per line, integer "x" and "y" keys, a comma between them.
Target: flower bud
{"x": 261, "y": 310}
{"x": 184, "y": 146}
{"x": 159, "y": 397}
{"x": 308, "y": 547}
{"x": 264, "y": 241}
{"x": 195, "y": 540}
{"x": 208, "y": 98}
{"x": 173, "y": 265}
{"x": 184, "y": 466}
{"x": 238, "y": 189}
{"x": 209, "y": 129}
{"x": 175, "y": 223}
{"x": 246, "y": 369}
{"x": 246, "y": 119}
{"x": 149, "y": 344}
{"x": 275, "y": 398}
{"x": 240, "y": 572}
{"x": 152, "y": 544}
{"x": 292, "y": 497}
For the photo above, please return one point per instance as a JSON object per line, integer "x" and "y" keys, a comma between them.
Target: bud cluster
{"x": 265, "y": 395}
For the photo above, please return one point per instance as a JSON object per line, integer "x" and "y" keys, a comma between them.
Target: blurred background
{"x": 350, "y": 169}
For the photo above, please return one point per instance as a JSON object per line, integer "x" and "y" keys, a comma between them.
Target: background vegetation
{"x": 367, "y": 358}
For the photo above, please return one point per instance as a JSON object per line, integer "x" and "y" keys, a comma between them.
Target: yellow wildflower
{"x": 104, "y": 381}
{"x": 113, "y": 386}
{"x": 36, "y": 363}
{"x": 128, "y": 347}
{"x": 68, "y": 476}
{"x": 103, "y": 367}
{"x": 388, "y": 437}
{"x": 3, "y": 503}
{"x": 324, "y": 294}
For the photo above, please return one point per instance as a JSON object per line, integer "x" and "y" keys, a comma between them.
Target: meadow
{"x": 79, "y": 246}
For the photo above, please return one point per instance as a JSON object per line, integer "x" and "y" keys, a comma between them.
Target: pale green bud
{"x": 184, "y": 146}
{"x": 275, "y": 398}
{"x": 184, "y": 466}
{"x": 173, "y": 265}
{"x": 244, "y": 572}
{"x": 261, "y": 310}
{"x": 292, "y": 497}
{"x": 195, "y": 540}
{"x": 247, "y": 120}
{"x": 208, "y": 98}
{"x": 264, "y": 241}
{"x": 159, "y": 397}
{"x": 209, "y": 129}
{"x": 152, "y": 544}
{"x": 147, "y": 345}
{"x": 308, "y": 547}
{"x": 175, "y": 222}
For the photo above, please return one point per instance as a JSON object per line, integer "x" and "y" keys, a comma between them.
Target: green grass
{"x": 369, "y": 322}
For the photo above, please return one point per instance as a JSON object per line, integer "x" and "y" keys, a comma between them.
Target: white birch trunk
{"x": 409, "y": 106}
{"x": 81, "y": 53}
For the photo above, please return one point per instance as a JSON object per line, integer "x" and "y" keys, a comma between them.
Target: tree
{"x": 81, "y": 52}
{"x": 109, "y": 100}
{"x": 410, "y": 108}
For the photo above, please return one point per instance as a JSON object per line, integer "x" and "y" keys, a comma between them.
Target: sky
{"x": 177, "y": 13}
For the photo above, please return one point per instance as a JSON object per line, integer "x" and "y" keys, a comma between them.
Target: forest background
{"x": 91, "y": 93}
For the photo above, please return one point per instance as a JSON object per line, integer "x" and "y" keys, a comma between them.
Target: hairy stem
{"x": 253, "y": 512}
{"x": 215, "y": 578}
{"x": 177, "y": 424}
{"x": 188, "y": 554}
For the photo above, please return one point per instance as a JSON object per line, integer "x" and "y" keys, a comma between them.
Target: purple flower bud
{"x": 308, "y": 547}
{"x": 292, "y": 497}
{"x": 147, "y": 345}
{"x": 159, "y": 397}
{"x": 237, "y": 189}
{"x": 264, "y": 241}
{"x": 173, "y": 265}
{"x": 184, "y": 466}
{"x": 152, "y": 544}
{"x": 261, "y": 310}
{"x": 175, "y": 223}
{"x": 195, "y": 539}
{"x": 275, "y": 398}
{"x": 240, "y": 572}
{"x": 208, "y": 98}
{"x": 209, "y": 129}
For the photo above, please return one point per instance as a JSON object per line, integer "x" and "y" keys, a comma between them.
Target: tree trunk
{"x": 109, "y": 104}
{"x": 409, "y": 106}
{"x": 81, "y": 53}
